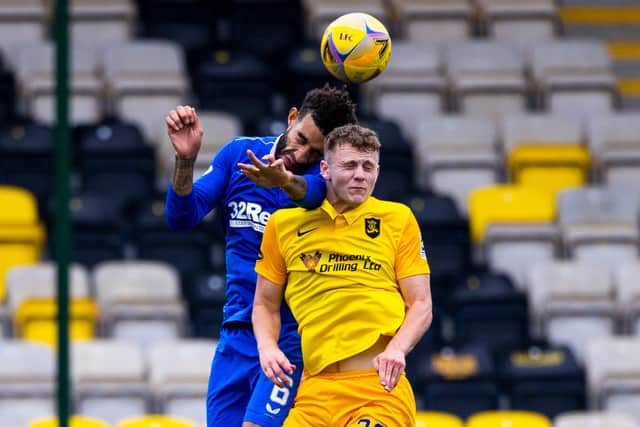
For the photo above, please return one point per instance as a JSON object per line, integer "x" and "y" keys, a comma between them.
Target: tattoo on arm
{"x": 182, "y": 179}
{"x": 296, "y": 188}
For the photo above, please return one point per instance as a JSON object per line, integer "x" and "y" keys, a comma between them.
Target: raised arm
{"x": 417, "y": 297}
{"x": 269, "y": 173}
{"x": 188, "y": 202}
{"x": 266, "y": 327}
{"x": 185, "y": 133}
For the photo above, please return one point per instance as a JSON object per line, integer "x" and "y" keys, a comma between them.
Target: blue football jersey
{"x": 245, "y": 209}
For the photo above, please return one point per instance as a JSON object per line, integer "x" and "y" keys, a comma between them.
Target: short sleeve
{"x": 411, "y": 258}
{"x": 271, "y": 264}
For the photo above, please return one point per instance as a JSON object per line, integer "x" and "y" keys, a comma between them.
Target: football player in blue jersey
{"x": 249, "y": 178}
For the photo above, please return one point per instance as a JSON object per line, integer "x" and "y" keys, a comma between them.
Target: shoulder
{"x": 289, "y": 214}
{"x": 391, "y": 208}
{"x": 257, "y": 144}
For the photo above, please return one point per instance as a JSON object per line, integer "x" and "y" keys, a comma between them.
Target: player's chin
{"x": 358, "y": 197}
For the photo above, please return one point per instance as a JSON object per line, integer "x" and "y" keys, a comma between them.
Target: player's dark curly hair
{"x": 329, "y": 107}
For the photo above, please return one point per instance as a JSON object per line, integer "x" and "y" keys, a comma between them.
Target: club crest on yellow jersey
{"x": 372, "y": 227}
{"x": 311, "y": 261}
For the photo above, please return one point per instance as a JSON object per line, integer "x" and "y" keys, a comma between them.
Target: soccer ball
{"x": 355, "y": 48}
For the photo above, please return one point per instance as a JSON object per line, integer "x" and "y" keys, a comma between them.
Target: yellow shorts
{"x": 352, "y": 399}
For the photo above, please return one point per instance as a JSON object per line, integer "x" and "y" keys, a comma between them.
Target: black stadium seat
{"x": 26, "y": 160}
{"x": 543, "y": 378}
{"x": 114, "y": 159}
{"x": 235, "y": 82}
{"x": 488, "y": 309}
{"x": 445, "y": 234}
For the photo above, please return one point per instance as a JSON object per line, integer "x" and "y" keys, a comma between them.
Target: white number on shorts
{"x": 279, "y": 396}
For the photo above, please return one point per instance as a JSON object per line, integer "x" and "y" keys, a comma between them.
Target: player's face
{"x": 301, "y": 145}
{"x": 351, "y": 176}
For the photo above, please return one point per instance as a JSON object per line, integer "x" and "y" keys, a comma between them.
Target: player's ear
{"x": 293, "y": 115}
{"x": 324, "y": 170}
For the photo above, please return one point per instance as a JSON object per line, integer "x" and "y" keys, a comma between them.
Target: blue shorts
{"x": 238, "y": 389}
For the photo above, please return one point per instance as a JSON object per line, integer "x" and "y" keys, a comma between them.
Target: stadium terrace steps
{"x": 617, "y": 23}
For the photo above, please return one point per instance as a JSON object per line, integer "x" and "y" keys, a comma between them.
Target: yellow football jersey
{"x": 341, "y": 273}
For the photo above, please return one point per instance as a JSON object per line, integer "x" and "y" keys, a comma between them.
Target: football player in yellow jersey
{"x": 355, "y": 275}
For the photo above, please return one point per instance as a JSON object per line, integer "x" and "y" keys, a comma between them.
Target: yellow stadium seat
{"x": 549, "y": 166}
{"x": 74, "y": 421}
{"x": 35, "y": 320}
{"x": 21, "y": 233}
{"x": 156, "y": 421}
{"x": 508, "y": 204}
{"x": 508, "y": 418}
{"x": 439, "y": 419}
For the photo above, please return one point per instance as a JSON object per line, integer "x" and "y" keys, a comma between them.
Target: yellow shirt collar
{"x": 351, "y": 215}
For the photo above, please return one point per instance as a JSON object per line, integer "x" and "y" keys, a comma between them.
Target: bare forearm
{"x": 295, "y": 187}
{"x": 416, "y": 323}
{"x": 182, "y": 179}
{"x": 266, "y": 326}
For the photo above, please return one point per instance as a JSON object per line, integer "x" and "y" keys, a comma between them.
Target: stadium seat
{"x": 266, "y": 28}
{"x": 96, "y": 220}
{"x": 26, "y": 160}
{"x": 511, "y": 248}
{"x": 94, "y": 23}
{"x": 418, "y": 357}
{"x": 486, "y": 77}
{"x": 189, "y": 251}
{"x": 508, "y": 418}
{"x": 74, "y": 421}
{"x": 487, "y": 309}
{"x": 410, "y": 89}
{"x": 460, "y": 381}
{"x": 27, "y": 382}
{"x": 613, "y": 369}
{"x": 198, "y": 28}
{"x": 616, "y": 150}
{"x": 219, "y": 128}
{"x": 179, "y": 375}
{"x": 545, "y": 151}
{"x": 109, "y": 379}
{"x": 628, "y": 294}
{"x": 516, "y": 21}
{"x": 455, "y": 154}
{"x": 35, "y": 66}
{"x": 445, "y": 233}
{"x": 234, "y": 82}
{"x": 573, "y": 77}
{"x": 139, "y": 300}
{"x": 595, "y": 419}
{"x": 144, "y": 80}
{"x": 113, "y": 159}
{"x": 321, "y": 13}
{"x": 21, "y": 22}
{"x": 508, "y": 204}
{"x": 206, "y": 301}
{"x": 433, "y": 21}
{"x": 599, "y": 225}
{"x": 396, "y": 159}
{"x": 572, "y": 302}
{"x": 543, "y": 378}
{"x": 7, "y": 91}
{"x": 305, "y": 71}
{"x": 440, "y": 419}
{"x": 21, "y": 233}
{"x": 32, "y": 301}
